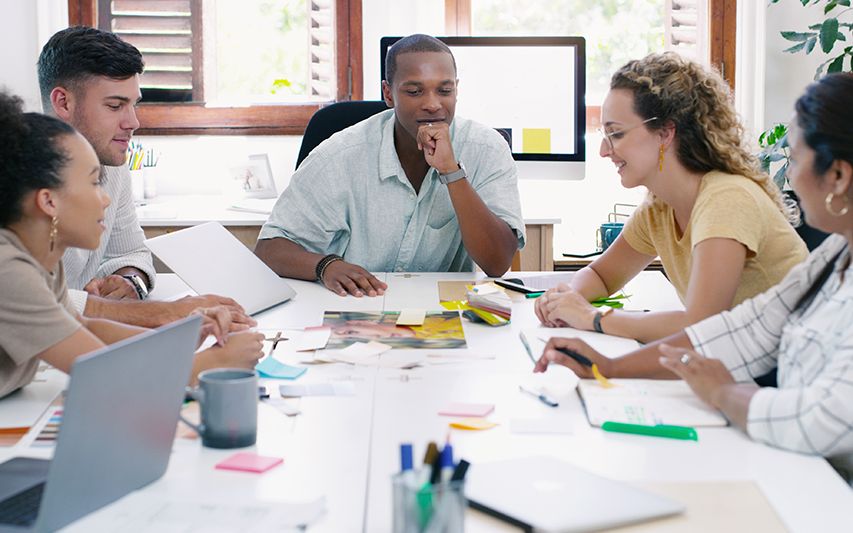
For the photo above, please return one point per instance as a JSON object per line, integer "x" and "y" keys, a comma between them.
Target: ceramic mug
{"x": 607, "y": 233}
{"x": 229, "y": 407}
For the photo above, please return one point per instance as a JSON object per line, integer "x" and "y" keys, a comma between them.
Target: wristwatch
{"x": 454, "y": 176}
{"x": 596, "y": 322}
{"x": 138, "y": 284}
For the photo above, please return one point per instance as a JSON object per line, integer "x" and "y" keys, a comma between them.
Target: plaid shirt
{"x": 812, "y": 348}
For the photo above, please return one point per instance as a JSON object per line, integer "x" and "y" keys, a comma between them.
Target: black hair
{"x": 413, "y": 43}
{"x": 74, "y": 55}
{"x": 30, "y": 156}
{"x": 825, "y": 114}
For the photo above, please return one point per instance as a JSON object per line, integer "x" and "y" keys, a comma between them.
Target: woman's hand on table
{"x": 565, "y": 307}
{"x": 553, "y": 354}
{"x": 707, "y": 377}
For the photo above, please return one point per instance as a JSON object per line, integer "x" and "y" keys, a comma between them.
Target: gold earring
{"x": 662, "y": 150}
{"x": 53, "y": 232}
{"x": 828, "y": 204}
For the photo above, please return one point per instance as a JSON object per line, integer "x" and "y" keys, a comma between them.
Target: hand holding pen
{"x": 574, "y": 354}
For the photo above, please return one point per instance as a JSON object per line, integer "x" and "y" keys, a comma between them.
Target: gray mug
{"x": 229, "y": 407}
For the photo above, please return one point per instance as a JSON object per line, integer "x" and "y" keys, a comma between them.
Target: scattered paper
{"x": 411, "y": 317}
{"x": 467, "y": 409}
{"x": 314, "y": 338}
{"x": 282, "y": 405}
{"x": 472, "y": 423}
{"x": 340, "y": 388}
{"x": 249, "y": 462}
{"x": 272, "y": 368}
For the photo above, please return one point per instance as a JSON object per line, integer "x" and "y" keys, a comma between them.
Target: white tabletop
{"x": 347, "y": 448}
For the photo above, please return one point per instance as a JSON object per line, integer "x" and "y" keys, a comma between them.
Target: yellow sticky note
{"x": 536, "y": 141}
{"x": 411, "y": 317}
{"x": 473, "y": 423}
{"x": 601, "y": 379}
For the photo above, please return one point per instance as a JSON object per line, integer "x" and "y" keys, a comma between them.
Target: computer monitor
{"x": 532, "y": 89}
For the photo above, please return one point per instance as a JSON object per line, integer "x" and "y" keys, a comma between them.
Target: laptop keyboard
{"x": 22, "y": 508}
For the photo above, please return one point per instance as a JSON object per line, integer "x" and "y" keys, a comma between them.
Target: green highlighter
{"x": 672, "y": 432}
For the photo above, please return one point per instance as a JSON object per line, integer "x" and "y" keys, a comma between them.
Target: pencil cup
{"x": 229, "y": 407}
{"x": 137, "y": 181}
{"x": 150, "y": 180}
{"x": 438, "y": 508}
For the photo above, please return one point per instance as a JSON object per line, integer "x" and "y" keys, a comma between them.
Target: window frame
{"x": 275, "y": 119}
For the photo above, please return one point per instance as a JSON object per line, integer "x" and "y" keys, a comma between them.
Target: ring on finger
{"x": 686, "y": 358}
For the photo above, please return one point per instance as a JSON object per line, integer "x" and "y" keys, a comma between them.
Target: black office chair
{"x": 334, "y": 118}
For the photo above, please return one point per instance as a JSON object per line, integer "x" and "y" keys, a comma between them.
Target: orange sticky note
{"x": 472, "y": 423}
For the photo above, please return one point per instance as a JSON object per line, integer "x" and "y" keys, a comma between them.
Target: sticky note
{"x": 467, "y": 409}
{"x": 536, "y": 141}
{"x": 411, "y": 317}
{"x": 271, "y": 368}
{"x": 249, "y": 462}
{"x": 472, "y": 423}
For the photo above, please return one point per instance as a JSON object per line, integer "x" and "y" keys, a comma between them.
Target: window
{"x": 181, "y": 69}
{"x": 701, "y": 28}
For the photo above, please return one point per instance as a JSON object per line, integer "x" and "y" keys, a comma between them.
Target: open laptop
{"x": 212, "y": 261}
{"x": 543, "y": 494}
{"x": 116, "y": 435}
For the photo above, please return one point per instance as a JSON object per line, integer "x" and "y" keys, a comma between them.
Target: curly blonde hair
{"x": 700, "y": 104}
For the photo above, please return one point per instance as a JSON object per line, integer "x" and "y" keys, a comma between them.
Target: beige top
{"x": 730, "y": 207}
{"x": 35, "y": 312}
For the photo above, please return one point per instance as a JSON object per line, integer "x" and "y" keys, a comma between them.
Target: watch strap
{"x": 138, "y": 285}
{"x": 454, "y": 176}
{"x": 596, "y": 321}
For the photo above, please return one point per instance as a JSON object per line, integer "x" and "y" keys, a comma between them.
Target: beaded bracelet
{"x": 322, "y": 264}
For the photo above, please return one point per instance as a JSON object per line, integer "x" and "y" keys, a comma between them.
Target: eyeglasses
{"x": 606, "y": 137}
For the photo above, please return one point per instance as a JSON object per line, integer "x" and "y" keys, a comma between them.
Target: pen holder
{"x": 438, "y": 508}
{"x": 137, "y": 180}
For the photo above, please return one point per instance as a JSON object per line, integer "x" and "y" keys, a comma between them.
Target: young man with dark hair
{"x": 392, "y": 194}
{"x": 90, "y": 79}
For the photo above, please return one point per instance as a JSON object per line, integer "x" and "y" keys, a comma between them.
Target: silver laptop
{"x": 543, "y": 494}
{"x": 116, "y": 435}
{"x": 212, "y": 261}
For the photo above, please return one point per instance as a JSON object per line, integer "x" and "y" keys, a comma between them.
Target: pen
{"x": 574, "y": 355}
{"x": 545, "y": 399}
{"x": 672, "y": 432}
{"x": 534, "y": 294}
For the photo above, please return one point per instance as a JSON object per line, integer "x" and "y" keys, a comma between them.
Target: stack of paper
{"x": 490, "y": 297}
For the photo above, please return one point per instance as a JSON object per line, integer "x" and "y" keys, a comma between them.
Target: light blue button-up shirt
{"x": 351, "y": 197}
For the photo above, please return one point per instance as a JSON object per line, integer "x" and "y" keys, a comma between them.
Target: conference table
{"x": 340, "y": 452}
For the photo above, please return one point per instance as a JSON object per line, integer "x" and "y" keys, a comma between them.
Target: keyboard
{"x": 22, "y": 508}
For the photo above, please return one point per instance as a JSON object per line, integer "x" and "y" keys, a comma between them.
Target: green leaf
{"x": 810, "y": 45}
{"x": 828, "y": 34}
{"x": 795, "y": 48}
{"x": 836, "y": 64}
{"x": 795, "y": 36}
{"x": 780, "y": 176}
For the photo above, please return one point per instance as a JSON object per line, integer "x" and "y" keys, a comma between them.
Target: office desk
{"x": 171, "y": 213}
{"x": 347, "y": 448}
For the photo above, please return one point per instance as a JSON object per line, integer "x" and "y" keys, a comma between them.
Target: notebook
{"x": 212, "y": 261}
{"x": 121, "y": 410}
{"x": 546, "y": 495}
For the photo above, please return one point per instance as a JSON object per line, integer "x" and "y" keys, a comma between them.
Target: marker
{"x": 461, "y": 469}
{"x": 545, "y": 399}
{"x": 407, "y": 466}
{"x": 574, "y": 355}
{"x": 447, "y": 467}
{"x": 672, "y": 432}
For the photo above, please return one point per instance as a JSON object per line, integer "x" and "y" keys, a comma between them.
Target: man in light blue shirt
{"x": 408, "y": 190}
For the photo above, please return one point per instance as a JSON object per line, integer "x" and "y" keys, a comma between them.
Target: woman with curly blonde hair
{"x": 721, "y": 228}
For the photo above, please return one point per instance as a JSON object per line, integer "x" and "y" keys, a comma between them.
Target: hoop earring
{"x": 828, "y": 204}
{"x": 662, "y": 150}
{"x": 53, "y": 232}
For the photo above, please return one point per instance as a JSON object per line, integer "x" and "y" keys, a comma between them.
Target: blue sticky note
{"x": 270, "y": 368}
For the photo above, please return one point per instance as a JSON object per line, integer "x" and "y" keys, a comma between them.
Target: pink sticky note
{"x": 467, "y": 409}
{"x": 249, "y": 462}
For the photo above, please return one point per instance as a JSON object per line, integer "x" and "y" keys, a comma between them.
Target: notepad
{"x": 271, "y": 368}
{"x": 646, "y": 402}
